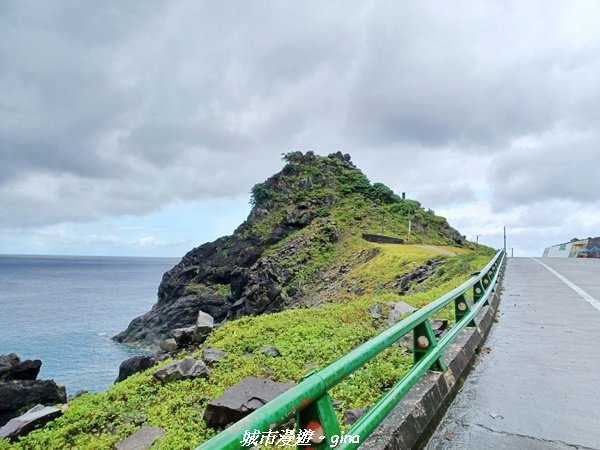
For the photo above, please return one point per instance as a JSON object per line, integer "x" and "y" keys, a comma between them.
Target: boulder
{"x": 242, "y": 399}
{"x": 168, "y": 345}
{"x": 212, "y": 355}
{"x": 133, "y": 365}
{"x": 142, "y": 439}
{"x": 32, "y": 419}
{"x": 12, "y": 368}
{"x": 204, "y": 326}
{"x": 398, "y": 310}
{"x": 19, "y": 396}
{"x": 184, "y": 337}
{"x": 189, "y": 367}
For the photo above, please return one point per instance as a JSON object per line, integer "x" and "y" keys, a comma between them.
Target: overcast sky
{"x": 139, "y": 127}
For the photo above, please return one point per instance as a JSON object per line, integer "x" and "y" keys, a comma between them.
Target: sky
{"x": 138, "y": 128}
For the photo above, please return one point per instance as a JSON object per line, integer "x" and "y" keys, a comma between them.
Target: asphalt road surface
{"x": 536, "y": 385}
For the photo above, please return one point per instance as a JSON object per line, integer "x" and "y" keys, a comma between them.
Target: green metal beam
{"x": 311, "y": 392}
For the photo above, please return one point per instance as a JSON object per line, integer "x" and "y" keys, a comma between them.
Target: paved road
{"x": 538, "y": 387}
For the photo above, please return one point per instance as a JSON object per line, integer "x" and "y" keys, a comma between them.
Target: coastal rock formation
{"x": 19, "y": 389}
{"x": 12, "y": 368}
{"x": 280, "y": 257}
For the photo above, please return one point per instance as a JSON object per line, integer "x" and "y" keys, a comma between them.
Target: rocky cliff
{"x": 294, "y": 249}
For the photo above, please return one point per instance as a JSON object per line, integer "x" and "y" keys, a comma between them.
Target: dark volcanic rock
{"x": 157, "y": 324}
{"x": 184, "y": 336}
{"x": 404, "y": 282}
{"x": 189, "y": 367}
{"x": 177, "y": 305}
{"x": 142, "y": 439}
{"x": 133, "y": 365}
{"x": 242, "y": 399}
{"x": 17, "y": 397}
{"x": 212, "y": 355}
{"x": 12, "y": 368}
{"x": 32, "y": 419}
{"x": 7, "y": 362}
{"x": 352, "y": 415}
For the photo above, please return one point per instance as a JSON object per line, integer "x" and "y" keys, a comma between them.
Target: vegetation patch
{"x": 307, "y": 338}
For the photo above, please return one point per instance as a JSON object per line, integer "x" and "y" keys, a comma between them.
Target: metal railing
{"x": 313, "y": 406}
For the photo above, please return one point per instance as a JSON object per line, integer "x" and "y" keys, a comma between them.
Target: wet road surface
{"x": 538, "y": 386}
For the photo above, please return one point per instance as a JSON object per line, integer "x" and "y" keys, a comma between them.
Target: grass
{"x": 307, "y": 338}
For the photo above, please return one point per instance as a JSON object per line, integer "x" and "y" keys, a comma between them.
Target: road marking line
{"x": 587, "y": 297}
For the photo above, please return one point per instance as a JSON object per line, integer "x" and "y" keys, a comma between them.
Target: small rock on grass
{"x": 242, "y": 399}
{"x": 189, "y": 367}
{"x": 141, "y": 439}
{"x": 270, "y": 350}
{"x": 212, "y": 355}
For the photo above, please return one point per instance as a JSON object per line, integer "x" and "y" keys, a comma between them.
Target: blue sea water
{"x": 64, "y": 309}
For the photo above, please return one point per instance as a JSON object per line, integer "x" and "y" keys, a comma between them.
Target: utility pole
{"x": 505, "y": 239}
{"x": 409, "y": 227}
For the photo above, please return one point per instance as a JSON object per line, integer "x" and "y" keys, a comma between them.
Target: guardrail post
{"x": 317, "y": 423}
{"x": 461, "y": 309}
{"x": 478, "y": 291}
{"x": 423, "y": 341}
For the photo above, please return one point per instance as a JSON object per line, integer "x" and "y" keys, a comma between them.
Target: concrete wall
{"x": 380, "y": 239}
{"x": 558, "y": 251}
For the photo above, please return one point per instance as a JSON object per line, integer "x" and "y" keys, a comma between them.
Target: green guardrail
{"x": 317, "y": 427}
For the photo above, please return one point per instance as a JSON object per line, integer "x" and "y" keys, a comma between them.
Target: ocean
{"x": 64, "y": 310}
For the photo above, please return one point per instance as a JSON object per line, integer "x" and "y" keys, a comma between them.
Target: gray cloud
{"x": 115, "y": 108}
{"x": 559, "y": 167}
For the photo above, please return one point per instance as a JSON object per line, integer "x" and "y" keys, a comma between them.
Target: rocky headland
{"x": 323, "y": 263}
{"x": 281, "y": 256}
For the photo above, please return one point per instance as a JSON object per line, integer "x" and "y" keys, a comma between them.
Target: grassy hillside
{"x": 308, "y": 338}
{"x": 302, "y": 279}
